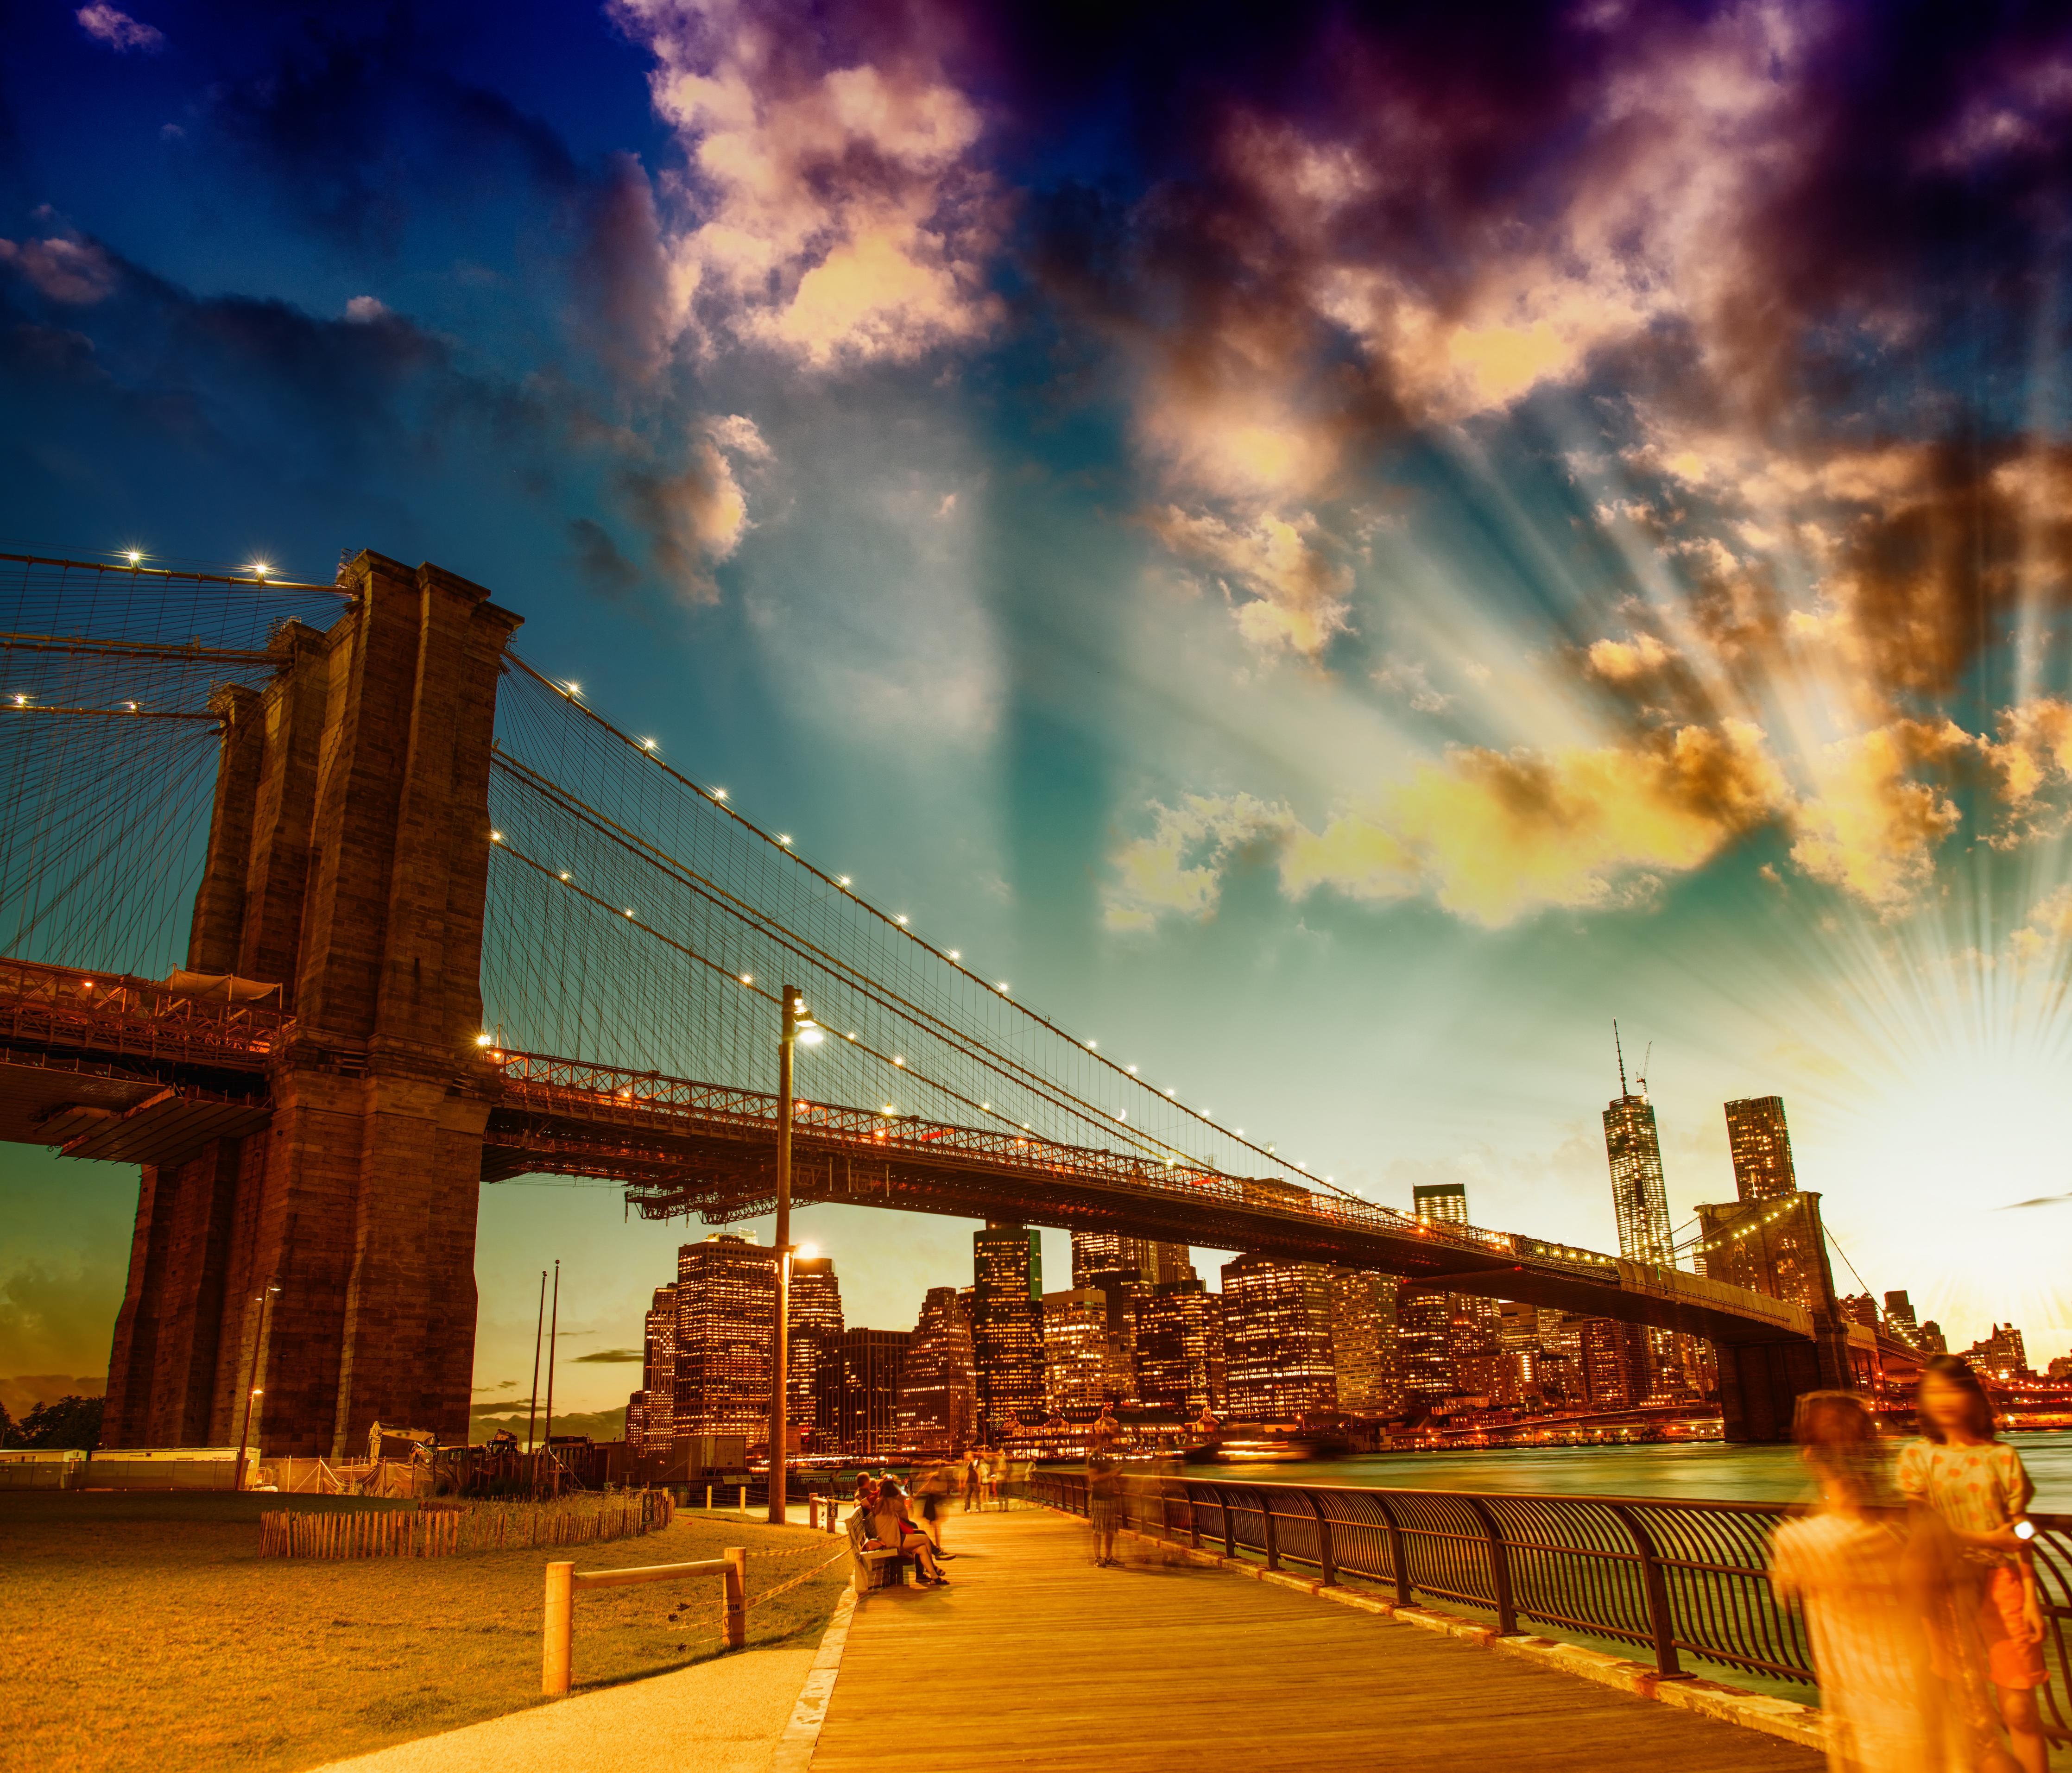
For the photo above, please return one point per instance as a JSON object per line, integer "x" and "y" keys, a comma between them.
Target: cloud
{"x": 695, "y": 518}
{"x": 1871, "y": 826}
{"x": 1623, "y": 661}
{"x": 611, "y": 1357}
{"x": 120, "y": 32}
{"x": 56, "y": 1319}
{"x": 365, "y": 309}
{"x": 1178, "y": 869}
{"x": 598, "y": 563}
{"x": 78, "y": 273}
{"x": 1492, "y": 837}
{"x": 842, "y": 214}
{"x": 1285, "y": 588}
{"x": 1411, "y": 679}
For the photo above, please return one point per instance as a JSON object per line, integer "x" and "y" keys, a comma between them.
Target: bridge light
{"x": 783, "y": 840}
{"x": 647, "y": 744}
{"x": 746, "y": 978}
{"x": 901, "y": 920}
{"x": 719, "y": 794}
{"x": 629, "y": 910}
{"x": 1001, "y": 987}
{"x": 806, "y": 1252}
{"x": 1168, "y": 1092}
{"x": 850, "y": 1035}
{"x": 898, "y": 1061}
{"x": 955, "y": 956}
{"x": 811, "y": 1033}
{"x": 134, "y": 556}
{"x": 565, "y": 873}
{"x": 1131, "y": 1069}
{"x": 841, "y": 880}
{"x": 573, "y": 689}
{"x": 481, "y": 1040}
{"x": 260, "y": 569}
{"x": 496, "y": 837}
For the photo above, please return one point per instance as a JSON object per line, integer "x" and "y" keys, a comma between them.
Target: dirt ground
{"x": 146, "y": 1632}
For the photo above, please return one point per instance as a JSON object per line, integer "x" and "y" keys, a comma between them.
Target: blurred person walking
{"x": 1104, "y": 1504}
{"x": 971, "y": 1479}
{"x": 1869, "y": 1590}
{"x": 1976, "y": 1484}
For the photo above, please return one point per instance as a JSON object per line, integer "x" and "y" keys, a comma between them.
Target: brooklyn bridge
{"x": 327, "y": 907}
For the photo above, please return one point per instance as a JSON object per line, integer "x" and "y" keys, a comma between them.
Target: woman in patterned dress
{"x": 1977, "y": 1486}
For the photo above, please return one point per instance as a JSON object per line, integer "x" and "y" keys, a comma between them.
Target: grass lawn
{"x": 146, "y": 1632}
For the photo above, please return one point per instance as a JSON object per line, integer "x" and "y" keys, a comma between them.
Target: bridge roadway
{"x": 1032, "y": 1658}
{"x": 132, "y": 1071}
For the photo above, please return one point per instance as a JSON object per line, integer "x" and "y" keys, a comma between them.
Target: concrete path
{"x": 724, "y": 1716}
{"x": 1035, "y": 1659}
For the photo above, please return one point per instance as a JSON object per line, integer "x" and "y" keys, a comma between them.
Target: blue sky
{"x": 1342, "y": 551}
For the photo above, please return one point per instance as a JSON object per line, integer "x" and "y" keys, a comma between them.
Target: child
{"x": 1976, "y": 1484}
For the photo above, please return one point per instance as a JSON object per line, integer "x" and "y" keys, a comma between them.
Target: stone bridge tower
{"x": 347, "y": 863}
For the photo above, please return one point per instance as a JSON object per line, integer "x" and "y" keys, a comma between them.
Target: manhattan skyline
{"x": 1334, "y": 598}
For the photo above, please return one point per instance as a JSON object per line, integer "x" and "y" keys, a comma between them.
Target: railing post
{"x": 1193, "y": 1518}
{"x": 737, "y": 1597}
{"x": 1499, "y": 1561}
{"x": 1398, "y": 1551}
{"x": 557, "y": 1629}
{"x": 1327, "y": 1565}
{"x": 1661, "y": 1625}
{"x": 1229, "y": 1526}
{"x": 1269, "y": 1538}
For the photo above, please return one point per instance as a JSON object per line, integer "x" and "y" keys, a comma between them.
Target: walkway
{"x": 1033, "y": 1658}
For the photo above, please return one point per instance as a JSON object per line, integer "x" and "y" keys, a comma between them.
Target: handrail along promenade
{"x": 1671, "y": 1577}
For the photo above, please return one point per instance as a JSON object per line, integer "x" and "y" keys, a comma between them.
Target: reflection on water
{"x": 1708, "y": 1471}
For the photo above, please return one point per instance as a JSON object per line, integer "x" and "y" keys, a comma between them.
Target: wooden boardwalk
{"x": 1032, "y": 1658}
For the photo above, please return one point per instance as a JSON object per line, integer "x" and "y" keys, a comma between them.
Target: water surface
{"x": 1704, "y": 1472}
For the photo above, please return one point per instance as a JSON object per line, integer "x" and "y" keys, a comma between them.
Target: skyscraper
{"x": 1096, "y": 1254}
{"x": 1638, "y": 1196}
{"x": 1899, "y": 1318}
{"x": 938, "y": 1404}
{"x": 816, "y": 1335}
{"x": 658, "y": 1376}
{"x": 1441, "y": 1203}
{"x": 726, "y": 1311}
{"x": 1425, "y": 1337}
{"x": 1363, "y": 1341}
{"x": 1762, "y": 1146}
{"x": 1179, "y": 1349}
{"x": 1618, "y": 1367}
{"x": 1082, "y": 1370}
{"x": 1007, "y": 1324}
{"x": 865, "y": 1412}
{"x": 1277, "y": 1338}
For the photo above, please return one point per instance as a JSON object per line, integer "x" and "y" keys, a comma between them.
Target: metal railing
{"x": 64, "y": 1011}
{"x": 1670, "y": 1578}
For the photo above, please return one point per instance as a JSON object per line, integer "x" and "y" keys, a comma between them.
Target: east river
{"x": 1703, "y": 1471}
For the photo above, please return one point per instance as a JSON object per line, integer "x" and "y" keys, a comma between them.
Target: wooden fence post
{"x": 737, "y": 1597}
{"x": 556, "y": 1640}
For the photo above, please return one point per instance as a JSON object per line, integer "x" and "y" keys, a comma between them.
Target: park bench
{"x": 883, "y": 1567}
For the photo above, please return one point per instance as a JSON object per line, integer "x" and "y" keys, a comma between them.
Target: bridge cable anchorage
{"x": 638, "y": 750}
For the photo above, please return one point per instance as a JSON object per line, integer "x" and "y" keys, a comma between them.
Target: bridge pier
{"x": 1761, "y": 1382}
{"x": 347, "y": 863}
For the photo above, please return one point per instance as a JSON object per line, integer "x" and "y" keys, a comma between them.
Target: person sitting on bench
{"x": 894, "y": 1529}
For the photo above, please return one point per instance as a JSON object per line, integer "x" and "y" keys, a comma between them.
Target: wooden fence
{"x": 441, "y": 1530}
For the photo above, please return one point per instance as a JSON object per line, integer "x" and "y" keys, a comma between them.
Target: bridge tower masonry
{"x": 348, "y": 864}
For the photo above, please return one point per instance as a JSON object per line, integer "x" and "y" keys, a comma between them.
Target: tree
{"x": 70, "y": 1422}
{"x": 7, "y": 1427}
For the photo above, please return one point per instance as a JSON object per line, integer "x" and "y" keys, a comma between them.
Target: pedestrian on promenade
{"x": 1976, "y": 1485}
{"x": 896, "y": 1530}
{"x": 971, "y": 1479}
{"x": 1869, "y": 1590}
{"x": 932, "y": 1491}
{"x": 1104, "y": 1504}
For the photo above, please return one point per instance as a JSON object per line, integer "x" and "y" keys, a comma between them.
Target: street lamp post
{"x": 265, "y": 1302}
{"x": 798, "y": 1028}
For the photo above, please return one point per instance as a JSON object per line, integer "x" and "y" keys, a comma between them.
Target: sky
{"x": 1345, "y": 549}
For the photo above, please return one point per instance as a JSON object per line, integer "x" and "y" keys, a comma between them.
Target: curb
{"x": 795, "y": 1750}
{"x": 1783, "y": 1718}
